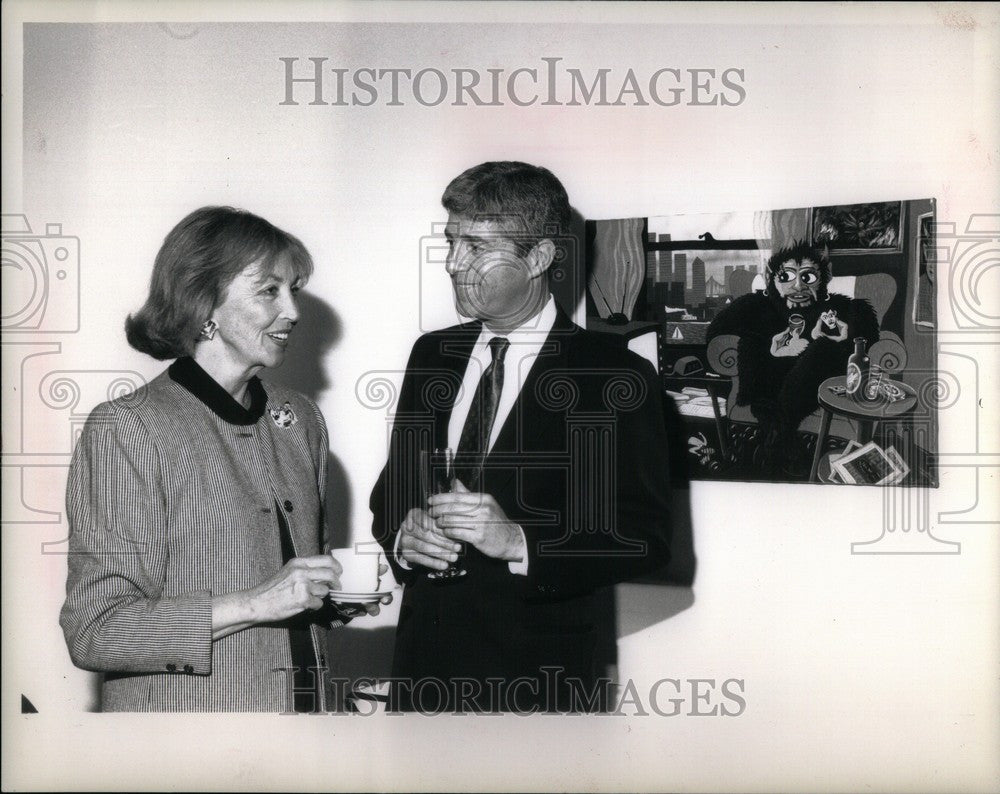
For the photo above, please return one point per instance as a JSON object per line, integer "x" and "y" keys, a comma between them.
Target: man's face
{"x": 798, "y": 283}
{"x": 492, "y": 280}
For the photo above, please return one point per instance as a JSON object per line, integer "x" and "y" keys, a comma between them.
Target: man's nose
{"x": 453, "y": 262}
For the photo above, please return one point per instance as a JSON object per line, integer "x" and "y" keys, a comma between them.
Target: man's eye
{"x": 809, "y": 277}
{"x": 786, "y": 276}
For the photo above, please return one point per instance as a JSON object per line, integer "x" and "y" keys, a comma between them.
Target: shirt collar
{"x": 189, "y": 374}
{"x": 532, "y": 331}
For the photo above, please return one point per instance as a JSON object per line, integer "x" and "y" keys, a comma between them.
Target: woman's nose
{"x": 291, "y": 308}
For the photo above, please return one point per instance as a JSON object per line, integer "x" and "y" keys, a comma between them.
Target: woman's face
{"x": 257, "y": 314}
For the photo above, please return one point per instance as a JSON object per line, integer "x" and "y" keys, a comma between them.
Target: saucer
{"x": 343, "y": 597}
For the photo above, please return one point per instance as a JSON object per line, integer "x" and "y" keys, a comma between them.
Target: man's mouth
{"x": 805, "y": 297}
{"x": 280, "y": 337}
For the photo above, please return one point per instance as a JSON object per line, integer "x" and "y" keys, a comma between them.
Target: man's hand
{"x": 477, "y": 519}
{"x": 787, "y": 344}
{"x": 422, "y": 543}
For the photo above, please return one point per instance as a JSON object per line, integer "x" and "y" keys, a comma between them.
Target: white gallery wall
{"x": 874, "y": 669}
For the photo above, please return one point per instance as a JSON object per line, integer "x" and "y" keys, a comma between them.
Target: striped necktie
{"x": 475, "y": 440}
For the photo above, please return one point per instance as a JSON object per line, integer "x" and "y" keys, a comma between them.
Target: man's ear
{"x": 540, "y": 257}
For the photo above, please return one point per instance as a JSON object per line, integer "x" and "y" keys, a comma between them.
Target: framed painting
{"x": 874, "y": 228}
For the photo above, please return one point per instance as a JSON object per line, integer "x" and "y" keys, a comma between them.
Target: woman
{"x": 195, "y": 503}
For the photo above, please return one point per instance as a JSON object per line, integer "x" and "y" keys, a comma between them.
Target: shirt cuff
{"x": 395, "y": 553}
{"x": 520, "y": 567}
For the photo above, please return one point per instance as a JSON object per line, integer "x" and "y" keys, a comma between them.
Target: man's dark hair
{"x": 799, "y": 251}
{"x": 526, "y": 200}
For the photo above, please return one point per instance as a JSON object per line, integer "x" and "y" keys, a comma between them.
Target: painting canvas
{"x": 754, "y": 407}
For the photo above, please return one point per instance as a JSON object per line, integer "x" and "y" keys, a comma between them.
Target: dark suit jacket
{"x": 580, "y": 464}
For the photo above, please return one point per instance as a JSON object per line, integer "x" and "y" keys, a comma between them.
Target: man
{"x": 563, "y": 479}
{"x": 792, "y": 338}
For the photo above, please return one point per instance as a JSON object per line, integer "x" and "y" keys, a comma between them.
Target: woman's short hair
{"x": 527, "y": 200}
{"x": 198, "y": 260}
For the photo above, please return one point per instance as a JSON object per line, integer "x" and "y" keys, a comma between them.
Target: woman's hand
{"x": 350, "y": 610}
{"x": 301, "y": 584}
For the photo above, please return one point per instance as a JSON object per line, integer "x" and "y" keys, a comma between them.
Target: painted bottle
{"x": 857, "y": 369}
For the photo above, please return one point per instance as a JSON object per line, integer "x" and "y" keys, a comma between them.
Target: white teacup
{"x": 360, "y": 568}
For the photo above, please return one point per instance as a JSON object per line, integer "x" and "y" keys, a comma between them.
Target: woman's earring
{"x": 208, "y": 329}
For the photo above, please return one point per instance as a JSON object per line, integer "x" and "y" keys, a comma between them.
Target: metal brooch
{"x": 283, "y": 416}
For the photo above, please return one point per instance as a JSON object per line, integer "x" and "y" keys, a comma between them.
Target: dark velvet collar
{"x": 192, "y": 377}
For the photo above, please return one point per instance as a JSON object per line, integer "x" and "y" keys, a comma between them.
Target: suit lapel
{"x": 530, "y": 425}
{"x": 452, "y": 359}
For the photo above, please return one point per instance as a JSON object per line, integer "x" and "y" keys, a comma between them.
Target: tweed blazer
{"x": 169, "y": 504}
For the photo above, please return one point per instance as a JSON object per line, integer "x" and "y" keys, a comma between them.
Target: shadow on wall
{"x": 319, "y": 329}
{"x": 662, "y": 594}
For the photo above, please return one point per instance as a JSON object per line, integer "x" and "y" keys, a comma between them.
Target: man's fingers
{"x": 418, "y": 520}
{"x": 463, "y": 504}
{"x": 426, "y": 541}
{"x": 452, "y": 520}
{"x": 445, "y": 550}
{"x": 417, "y": 558}
{"x": 464, "y": 534}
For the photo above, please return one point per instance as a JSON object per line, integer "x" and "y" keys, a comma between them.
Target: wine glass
{"x": 437, "y": 475}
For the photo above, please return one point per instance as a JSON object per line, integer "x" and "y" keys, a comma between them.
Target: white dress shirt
{"x": 525, "y": 344}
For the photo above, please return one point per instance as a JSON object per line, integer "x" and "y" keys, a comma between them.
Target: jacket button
{"x": 288, "y": 506}
{"x": 171, "y": 668}
{"x": 188, "y": 669}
